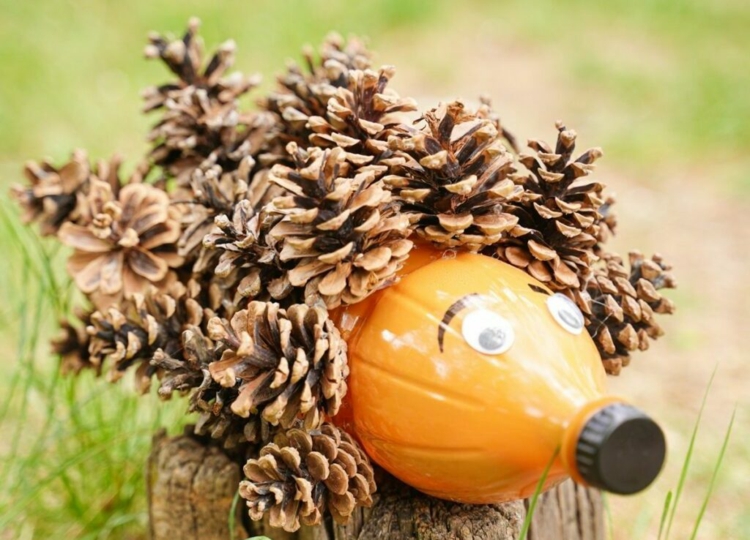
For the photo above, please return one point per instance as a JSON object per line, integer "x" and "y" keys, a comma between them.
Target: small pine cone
{"x": 209, "y": 399}
{"x": 455, "y": 178}
{"x": 339, "y": 227}
{"x": 144, "y": 325}
{"x": 300, "y": 476}
{"x": 72, "y": 345}
{"x": 620, "y": 306}
{"x": 559, "y": 217}
{"x": 201, "y": 125}
{"x": 288, "y": 364}
{"x": 361, "y": 115}
{"x": 238, "y": 246}
{"x": 302, "y": 94}
{"x": 211, "y": 192}
{"x": 51, "y": 195}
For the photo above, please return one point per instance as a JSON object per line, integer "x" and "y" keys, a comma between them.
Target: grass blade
{"x": 664, "y": 513}
{"x": 715, "y": 474}
{"x": 232, "y": 517}
{"x": 535, "y": 497}
{"x": 688, "y": 456}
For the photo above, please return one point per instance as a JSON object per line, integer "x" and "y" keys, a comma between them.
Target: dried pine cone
{"x": 303, "y": 94}
{"x": 455, "y": 180}
{"x": 211, "y": 192}
{"x": 126, "y": 244}
{"x": 301, "y": 475}
{"x": 620, "y": 306}
{"x": 52, "y": 194}
{"x": 559, "y": 219}
{"x": 201, "y": 123}
{"x": 288, "y": 364}
{"x": 361, "y": 115}
{"x": 144, "y": 325}
{"x": 340, "y": 229}
{"x": 241, "y": 244}
{"x": 72, "y": 345}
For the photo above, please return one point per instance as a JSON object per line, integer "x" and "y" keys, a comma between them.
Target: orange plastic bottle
{"x": 469, "y": 379}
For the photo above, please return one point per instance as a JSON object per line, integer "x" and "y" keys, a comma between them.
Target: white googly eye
{"x": 566, "y": 313}
{"x": 487, "y": 332}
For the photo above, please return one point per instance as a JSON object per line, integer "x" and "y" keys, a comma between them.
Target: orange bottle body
{"x": 447, "y": 419}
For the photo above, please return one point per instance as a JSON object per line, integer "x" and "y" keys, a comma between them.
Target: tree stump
{"x": 191, "y": 488}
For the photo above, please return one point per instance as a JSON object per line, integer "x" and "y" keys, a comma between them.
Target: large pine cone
{"x": 340, "y": 230}
{"x": 286, "y": 364}
{"x": 455, "y": 178}
{"x": 561, "y": 220}
{"x": 301, "y": 475}
{"x": 620, "y": 306}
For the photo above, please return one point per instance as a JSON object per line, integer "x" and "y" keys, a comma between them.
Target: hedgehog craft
{"x": 335, "y": 278}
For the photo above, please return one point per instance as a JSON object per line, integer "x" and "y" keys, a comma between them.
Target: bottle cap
{"x": 620, "y": 450}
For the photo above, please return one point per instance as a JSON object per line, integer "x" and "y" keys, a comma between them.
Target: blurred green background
{"x": 662, "y": 85}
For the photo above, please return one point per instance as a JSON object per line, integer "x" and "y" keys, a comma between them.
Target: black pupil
{"x": 492, "y": 338}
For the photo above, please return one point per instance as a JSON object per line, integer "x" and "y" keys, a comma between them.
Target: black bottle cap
{"x": 620, "y": 450}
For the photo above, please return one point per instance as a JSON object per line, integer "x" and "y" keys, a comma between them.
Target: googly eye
{"x": 566, "y": 313}
{"x": 487, "y": 332}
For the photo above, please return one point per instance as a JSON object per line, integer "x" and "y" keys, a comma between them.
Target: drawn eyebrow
{"x": 538, "y": 289}
{"x": 451, "y": 312}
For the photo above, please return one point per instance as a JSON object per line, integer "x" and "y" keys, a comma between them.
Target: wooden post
{"x": 191, "y": 487}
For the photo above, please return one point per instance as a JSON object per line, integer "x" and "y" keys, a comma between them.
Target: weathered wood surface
{"x": 191, "y": 488}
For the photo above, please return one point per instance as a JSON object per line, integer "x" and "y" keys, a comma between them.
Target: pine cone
{"x": 240, "y": 243}
{"x": 302, "y": 94}
{"x": 486, "y": 111}
{"x": 340, "y": 229}
{"x": 455, "y": 180}
{"x": 72, "y": 345}
{"x": 211, "y": 192}
{"x": 301, "y": 475}
{"x": 288, "y": 364}
{"x": 620, "y": 306}
{"x": 52, "y": 193}
{"x": 126, "y": 244}
{"x": 361, "y": 115}
{"x": 144, "y": 325}
{"x": 201, "y": 125}
{"x": 559, "y": 219}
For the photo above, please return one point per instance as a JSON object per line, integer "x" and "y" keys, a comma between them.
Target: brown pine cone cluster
{"x": 559, "y": 223}
{"x": 620, "y": 306}
{"x": 339, "y": 231}
{"x": 301, "y": 475}
{"x": 287, "y": 364}
{"x": 454, "y": 180}
{"x": 201, "y": 124}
